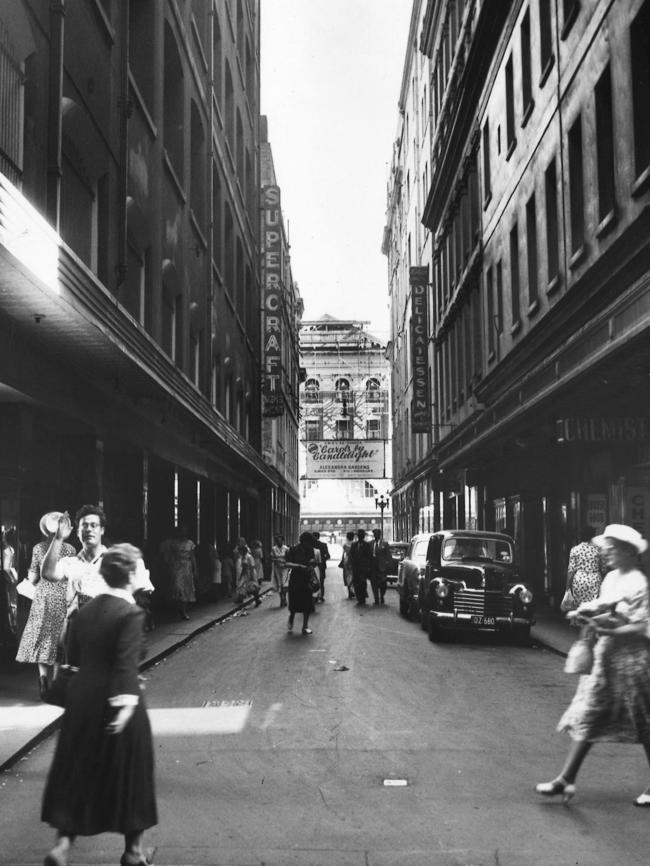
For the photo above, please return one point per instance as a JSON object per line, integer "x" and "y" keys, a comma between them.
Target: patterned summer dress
{"x": 586, "y": 565}
{"x": 44, "y": 625}
{"x": 612, "y": 703}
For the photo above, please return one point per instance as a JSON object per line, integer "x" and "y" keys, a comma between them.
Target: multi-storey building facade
{"x": 540, "y": 300}
{"x": 283, "y": 307}
{"x": 130, "y": 359}
{"x": 344, "y": 428}
{"x": 406, "y": 244}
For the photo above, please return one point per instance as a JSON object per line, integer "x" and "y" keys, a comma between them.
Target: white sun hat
{"x": 621, "y": 532}
{"x": 49, "y": 522}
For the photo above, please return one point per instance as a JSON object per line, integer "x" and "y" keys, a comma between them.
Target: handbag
{"x": 313, "y": 579}
{"x": 341, "y": 564}
{"x": 26, "y": 588}
{"x": 580, "y": 657}
{"x": 568, "y": 602}
{"x": 57, "y": 691}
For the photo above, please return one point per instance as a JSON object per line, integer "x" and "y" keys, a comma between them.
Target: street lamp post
{"x": 382, "y": 502}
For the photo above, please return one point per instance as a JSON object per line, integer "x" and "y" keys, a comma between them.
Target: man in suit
{"x": 322, "y": 565}
{"x": 381, "y": 560}
{"x": 361, "y": 561}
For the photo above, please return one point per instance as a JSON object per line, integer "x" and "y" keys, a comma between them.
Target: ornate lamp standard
{"x": 382, "y": 502}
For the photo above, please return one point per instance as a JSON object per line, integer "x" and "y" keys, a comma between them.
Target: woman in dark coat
{"x": 101, "y": 778}
{"x": 301, "y": 559}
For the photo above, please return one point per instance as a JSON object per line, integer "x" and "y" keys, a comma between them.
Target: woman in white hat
{"x": 612, "y": 703}
{"x": 40, "y": 640}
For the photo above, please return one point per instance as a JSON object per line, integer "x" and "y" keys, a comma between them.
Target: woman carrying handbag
{"x": 612, "y": 702}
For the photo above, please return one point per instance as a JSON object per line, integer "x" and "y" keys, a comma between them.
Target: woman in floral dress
{"x": 585, "y": 571}
{"x": 40, "y": 642}
{"x": 612, "y": 703}
{"x": 180, "y": 560}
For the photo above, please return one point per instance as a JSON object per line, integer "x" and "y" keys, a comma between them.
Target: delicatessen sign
{"x": 349, "y": 458}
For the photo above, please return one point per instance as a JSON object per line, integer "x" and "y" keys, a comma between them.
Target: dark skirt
{"x": 100, "y": 783}
{"x": 300, "y": 597}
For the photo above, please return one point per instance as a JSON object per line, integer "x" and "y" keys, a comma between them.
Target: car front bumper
{"x": 452, "y": 619}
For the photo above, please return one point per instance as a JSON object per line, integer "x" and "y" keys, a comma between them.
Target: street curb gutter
{"x": 49, "y": 729}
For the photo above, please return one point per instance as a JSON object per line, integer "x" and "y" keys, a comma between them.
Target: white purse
{"x": 26, "y": 588}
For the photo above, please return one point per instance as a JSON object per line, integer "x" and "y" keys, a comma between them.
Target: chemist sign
{"x": 346, "y": 458}
{"x": 272, "y": 397}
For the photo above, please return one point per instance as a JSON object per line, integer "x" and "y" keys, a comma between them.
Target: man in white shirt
{"x": 82, "y": 570}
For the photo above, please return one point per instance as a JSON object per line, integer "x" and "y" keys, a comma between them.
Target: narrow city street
{"x": 289, "y": 750}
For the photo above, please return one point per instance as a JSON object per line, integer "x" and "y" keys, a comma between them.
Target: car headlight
{"x": 442, "y": 590}
{"x": 526, "y": 596}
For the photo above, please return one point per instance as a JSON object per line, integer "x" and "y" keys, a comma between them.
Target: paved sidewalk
{"x": 25, "y": 720}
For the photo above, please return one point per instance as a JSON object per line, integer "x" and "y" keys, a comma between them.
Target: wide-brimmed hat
{"x": 49, "y": 522}
{"x": 621, "y": 532}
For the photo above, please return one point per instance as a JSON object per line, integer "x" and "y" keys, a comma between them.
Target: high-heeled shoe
{"x": 130, "y": 859}
{"x": 557, "y": 787}
{"x": 56, "y": 857}
{"x": 643, "y": 800}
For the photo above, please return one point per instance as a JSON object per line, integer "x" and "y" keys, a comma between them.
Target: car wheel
{"x": 521, "y": 635}
{"x": 435, "y": 630}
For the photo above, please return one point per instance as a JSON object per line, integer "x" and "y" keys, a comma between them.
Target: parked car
{"x": 471, "y": 582}
{"x": 410, "y": 572}
{"x": 398, "y": 551}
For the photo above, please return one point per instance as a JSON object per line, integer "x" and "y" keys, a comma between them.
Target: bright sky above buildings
{"x": 331, "y": 78}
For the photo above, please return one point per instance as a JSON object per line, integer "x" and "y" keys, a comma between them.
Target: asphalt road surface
{"x": 360, "y": 745}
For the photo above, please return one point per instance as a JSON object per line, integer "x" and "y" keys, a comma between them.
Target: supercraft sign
{"x": 349, "y": 458}
{"x": 273, "y": 402}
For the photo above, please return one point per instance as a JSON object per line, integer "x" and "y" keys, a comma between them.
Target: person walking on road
{"x": 279, "y": 570}
{"x": 102, "y": 775}
{"x": 585, "y": 570}
{"x": 322, "y": 565}
{"x": 381, "y": 560}
{"x": 361, "y": 560}
{"x": 347, "y": 564}
{"x": 40, "y": 641}
{"x": 300, "y": 559}
{"x": 612, "y": 702}
{"x": 247, "y": 583}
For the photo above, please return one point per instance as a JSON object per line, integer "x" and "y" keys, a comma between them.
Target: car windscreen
{"x": 419, "y": 554}
{"x": 487, "y": 549}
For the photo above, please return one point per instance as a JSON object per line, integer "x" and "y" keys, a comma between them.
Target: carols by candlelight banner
{"x": 346, "y": 458}
{"x": 421, "y": 403}
{"x": 272, "y": 397}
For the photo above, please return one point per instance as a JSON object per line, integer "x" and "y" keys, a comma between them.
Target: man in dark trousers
{"x": 322, "y": 566}
{"x": 361, "y": 560}
{"x": 381, "y": 560}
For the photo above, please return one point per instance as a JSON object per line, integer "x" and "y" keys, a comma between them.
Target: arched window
{"x": 372, "y": 390}
{"x": 312, "y": 388}
{"x": 342, "y": 388}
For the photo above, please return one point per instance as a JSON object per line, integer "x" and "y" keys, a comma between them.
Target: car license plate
{"x": 483, "y": 620}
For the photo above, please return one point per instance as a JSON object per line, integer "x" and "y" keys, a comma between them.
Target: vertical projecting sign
{"x": 272, "y": 400}
{"x": 421, "y": 404}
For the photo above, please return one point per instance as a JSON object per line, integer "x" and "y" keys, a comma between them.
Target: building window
{"x": 605, "y": 145}
{"x": 640, "y": 49}
{"x": 487, "y": 182}
{"x": 491, "y": 322}
{"x": 570, "y": 9}
{"x": 499, "y": 298}
{"x": 531, "y": 245}
{"x": 510, "y": 108}
{"x": 174, "y": 125}
{"x": 576, "y": 187}
{"x": 343, "y": 428}
{"x": 312, "y": 391}
{"x": 373, "y": 428}
{"x": 372, "y": 391}
{"x": 342, "y": 388}
{"x": 552, "y": 233}
{"x": 197, "y": 166}
{"x": 369, "y": 491}
{"x": 545, "y": 38}
{"x": 313, "y": 429}
{"x": 514, "y": 276}
{"x": 526, "y": 75}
